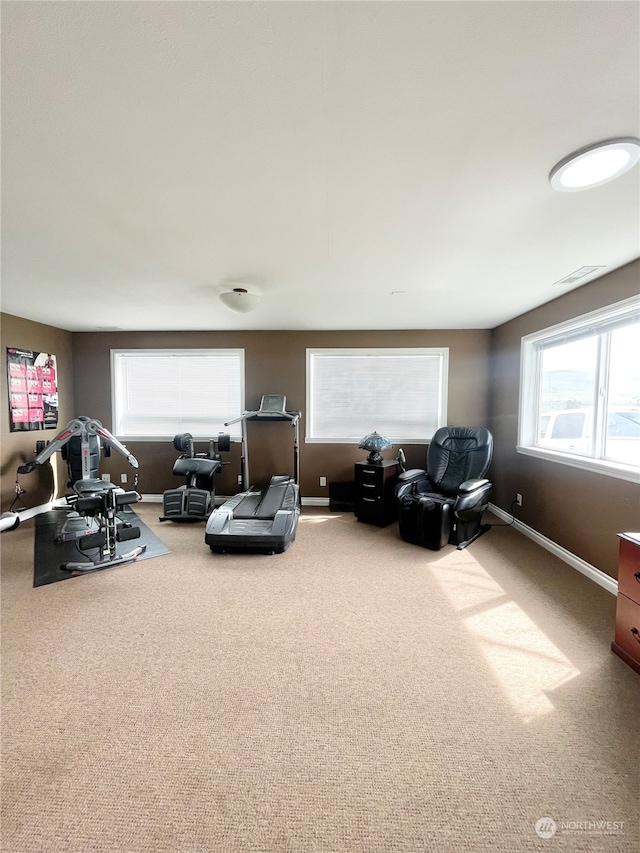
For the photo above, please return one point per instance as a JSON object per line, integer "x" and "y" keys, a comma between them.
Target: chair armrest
{"x": 473, "y": 499}
{"x": 413, "y": 480}
{"x": 470, "y": 486}
{"x": 410, "y": 475}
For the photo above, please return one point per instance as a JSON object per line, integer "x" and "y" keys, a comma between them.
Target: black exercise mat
{"x": 49, "y": 554}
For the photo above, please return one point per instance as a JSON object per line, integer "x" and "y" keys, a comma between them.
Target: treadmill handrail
{"x": 264, "y": 413}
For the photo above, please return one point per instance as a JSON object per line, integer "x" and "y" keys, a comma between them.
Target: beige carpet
{"x": 356, "y": 694}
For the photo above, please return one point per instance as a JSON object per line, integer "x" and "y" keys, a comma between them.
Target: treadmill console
{"x": 271, "y": 403}
{"x": 272, "y": 408}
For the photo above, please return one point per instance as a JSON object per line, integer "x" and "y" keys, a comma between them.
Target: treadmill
{"x": 260, "y": 520}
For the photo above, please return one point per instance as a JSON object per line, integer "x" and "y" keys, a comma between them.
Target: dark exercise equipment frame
{"x": 95, "y": 502}
{"x": 194, "y": 500}
{"x": 105, "y": 507}
{"x": 81, "y": 444}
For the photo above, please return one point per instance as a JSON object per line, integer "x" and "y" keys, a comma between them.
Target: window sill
{"x": 169, "y": 438}
{"x": 396, "y": 441}
{"x": 597, "y": 466}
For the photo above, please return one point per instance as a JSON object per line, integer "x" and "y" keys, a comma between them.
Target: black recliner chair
{"x": 444, "y": 504}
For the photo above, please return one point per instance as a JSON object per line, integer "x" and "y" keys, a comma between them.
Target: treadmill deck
{"x": 263, "y": 520}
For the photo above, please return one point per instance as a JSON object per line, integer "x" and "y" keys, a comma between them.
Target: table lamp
{"x": 374, "y": 443}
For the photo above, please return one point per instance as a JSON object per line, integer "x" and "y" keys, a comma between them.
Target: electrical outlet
{"x": 123, "y": 478}
{"x": 239, "y": 479}
{"x": 107, "y": 477}
{"x": 323, "y": 481}
{"x": 519, "y": 499}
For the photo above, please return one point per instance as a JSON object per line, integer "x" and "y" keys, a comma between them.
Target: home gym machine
{"x": 95, "y": 502}
{"x": 195, "y": 500}
{"x": 261, "y": 520}
{"x": 81, "y": 444}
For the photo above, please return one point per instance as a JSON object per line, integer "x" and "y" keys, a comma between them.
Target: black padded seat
{"x": 195, "y": 465}
{"x": 92, "y": 486}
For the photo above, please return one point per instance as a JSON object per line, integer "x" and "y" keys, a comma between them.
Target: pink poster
{"x": 33, "y": 389}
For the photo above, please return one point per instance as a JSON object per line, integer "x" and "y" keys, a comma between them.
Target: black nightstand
{"x": 375, "y": 486}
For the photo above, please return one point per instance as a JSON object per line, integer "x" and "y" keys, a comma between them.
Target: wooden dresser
{"x": 627, "y": 637}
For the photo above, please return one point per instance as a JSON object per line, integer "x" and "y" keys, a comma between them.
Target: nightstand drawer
{"x": 629, "y": 566}
{"x": 368, "y": 508}
{"x": 627, "y": 637}
{"x": 369, "y": 476}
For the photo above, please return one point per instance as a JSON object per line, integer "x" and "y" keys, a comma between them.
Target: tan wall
{"x": 275, "y": 363}
{"x": 19, "y": 447}
{"x": 579, "y": 510}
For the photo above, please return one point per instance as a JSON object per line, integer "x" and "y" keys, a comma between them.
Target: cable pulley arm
{"x": 74, "y": 427}
{"x": 95, "y": 428}
{"x": 85, "y": 428}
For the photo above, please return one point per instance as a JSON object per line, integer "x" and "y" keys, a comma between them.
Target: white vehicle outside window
{"x": 574, "y": 430}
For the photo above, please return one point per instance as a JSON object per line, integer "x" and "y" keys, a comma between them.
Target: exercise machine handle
{"x": 27, "y": 468}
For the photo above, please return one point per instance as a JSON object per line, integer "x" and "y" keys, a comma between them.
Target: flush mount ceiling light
{"x": 595, "y": 164}
{"x": 239, "y": 299}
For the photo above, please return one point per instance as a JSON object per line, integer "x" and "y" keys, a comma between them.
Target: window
{"x": 580, "y": 392}
{"x": 400, "y": 393}
{"x": 159, "y": 393}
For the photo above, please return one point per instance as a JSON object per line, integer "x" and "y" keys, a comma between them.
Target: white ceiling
{"x": 327, "y": 153}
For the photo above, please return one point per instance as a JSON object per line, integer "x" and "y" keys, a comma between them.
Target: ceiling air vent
{"x": 578, "y": 274}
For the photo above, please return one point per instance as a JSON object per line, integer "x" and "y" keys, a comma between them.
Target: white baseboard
{"x": 594, "y": 574}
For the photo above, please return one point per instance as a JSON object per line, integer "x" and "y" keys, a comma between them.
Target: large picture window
{"x": 159, "y": 393}
{"x": 580, "y": 392}
{"x": 400, "y": 393}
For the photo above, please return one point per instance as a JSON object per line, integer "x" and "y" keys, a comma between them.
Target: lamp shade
{"x": 374, "y": 443}
{"x": 239, "y": 299}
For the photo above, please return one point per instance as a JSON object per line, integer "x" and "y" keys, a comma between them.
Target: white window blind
{"x": 400, "y": 393}
{"x": 159, "y": 393}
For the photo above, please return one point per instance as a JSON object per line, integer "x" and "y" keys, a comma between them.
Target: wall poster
{"x": 33, "y": 390}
